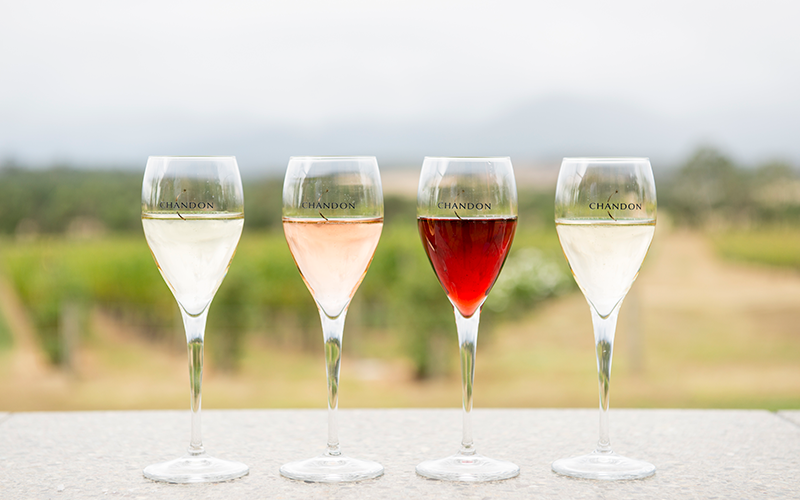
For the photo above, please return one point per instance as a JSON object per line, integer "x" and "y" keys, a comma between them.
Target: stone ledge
{"x": 697, "y": 453}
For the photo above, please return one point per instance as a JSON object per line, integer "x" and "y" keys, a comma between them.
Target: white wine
{"x": 193, "y": 253}
{"x": 332, "y": 256}
{"x": 605, "y": 257}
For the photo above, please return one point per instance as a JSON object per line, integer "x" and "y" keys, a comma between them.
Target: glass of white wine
{"x": 605, "y": 211}
{"x": 332, "y": 219}
{"x": 192, "y": 215}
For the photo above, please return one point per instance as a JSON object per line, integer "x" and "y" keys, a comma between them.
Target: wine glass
{"x": 467, "y": 215}
{"x": 332, "y": 219}
{"x": 192, "y": 215}
{"x": 605, "y": 211}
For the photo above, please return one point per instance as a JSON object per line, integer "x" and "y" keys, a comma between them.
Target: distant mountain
{"x": 543, "y": 130}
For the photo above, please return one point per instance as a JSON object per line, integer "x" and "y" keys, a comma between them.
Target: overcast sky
{"x": 77, "y": 76}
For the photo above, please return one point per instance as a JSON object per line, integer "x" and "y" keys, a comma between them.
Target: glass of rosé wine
{"x": 332, "y": 220}
{"x": 467, "y": 215}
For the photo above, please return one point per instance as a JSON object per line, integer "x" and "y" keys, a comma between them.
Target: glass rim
{"x": 604, "y": 159}
{"x": 333, "y": 158}
{"x": 184, "y": 157}
{"x": 468, "y": 158}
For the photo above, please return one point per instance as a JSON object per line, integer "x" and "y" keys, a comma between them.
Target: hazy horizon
{"x": 93, "y": 84}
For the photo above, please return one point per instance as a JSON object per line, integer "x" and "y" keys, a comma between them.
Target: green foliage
{"x": 262, "y": 204}
{"x": 537, "y": 211}
{"x": 6, "y": 339}
{"x": 47, "y": 201}
{"x": 56, "y": 200}
{"x": 711, "y": 189}
{"x": 773, "y": 246}
{"x": 116, "y": 273}
{"x": 400, "y": 297}
{"x": 263, "y": 292}
{"x": 402, "y": 294}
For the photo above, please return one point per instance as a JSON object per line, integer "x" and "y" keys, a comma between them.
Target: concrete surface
{"x": 697, "y": 453}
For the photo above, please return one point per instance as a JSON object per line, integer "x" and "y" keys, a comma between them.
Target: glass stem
{"x": 195, "y": 327}
{"x": 604, "y": 329}
{"x": 467, "y": 341}
{"x": 332, "y": 330}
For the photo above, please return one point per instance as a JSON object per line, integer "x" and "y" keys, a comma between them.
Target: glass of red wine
{"x": 467, "y": 215}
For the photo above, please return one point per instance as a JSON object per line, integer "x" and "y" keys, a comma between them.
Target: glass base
{"x": 460, "y": 467}
{"x": 331, "y": 469}
{"x": 606, "y": 466}
{"x": 195, "y": 469}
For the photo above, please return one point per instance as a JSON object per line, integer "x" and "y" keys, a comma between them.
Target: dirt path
{"x": 694, "y": 331}
{"x": 27, "y": 357}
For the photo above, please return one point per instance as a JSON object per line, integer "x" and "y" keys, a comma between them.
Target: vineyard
{"x": 73, "y": 257}
{"x": 62, "y": 275}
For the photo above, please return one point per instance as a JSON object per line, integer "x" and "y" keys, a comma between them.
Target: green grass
{"x": 772, "y": 246}
{"x": 6, "y": 339}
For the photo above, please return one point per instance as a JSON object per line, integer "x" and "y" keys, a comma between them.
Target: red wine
{"x": 467, "y": 255}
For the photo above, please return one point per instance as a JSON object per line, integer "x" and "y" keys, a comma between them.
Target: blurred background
{"x": 707, "y": 89}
